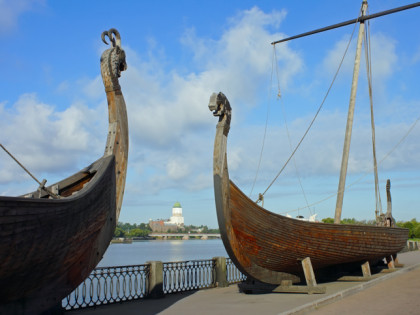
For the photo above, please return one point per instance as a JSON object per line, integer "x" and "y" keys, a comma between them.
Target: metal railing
{"x": 233, "y": 274}
{"x": 188, "y": 275}
{"x": 119, "y": 284}
{"x": 109, "y": 285}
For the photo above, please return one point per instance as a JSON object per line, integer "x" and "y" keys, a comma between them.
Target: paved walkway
{"x": 391, "y": 293}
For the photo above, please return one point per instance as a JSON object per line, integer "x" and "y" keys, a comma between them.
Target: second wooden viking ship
{"x": 269, "y": 247}
{"x": 51, "y": 239}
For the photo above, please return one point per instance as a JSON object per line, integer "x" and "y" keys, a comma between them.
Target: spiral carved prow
{"x": 114, "y": 41}
{"x": 112, "y": 60}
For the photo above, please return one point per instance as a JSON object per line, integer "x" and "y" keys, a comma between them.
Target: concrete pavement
{"x": 385, "y": 294}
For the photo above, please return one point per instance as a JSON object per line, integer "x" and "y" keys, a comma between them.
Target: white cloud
{"x": 168, "y": 115}
{"x": 10, "y": 11}
{"x": 384, "y": 60}
{"x": 177, "y": 169}
{"x": 165, "y": 105}
{"x": 49, "y": 141}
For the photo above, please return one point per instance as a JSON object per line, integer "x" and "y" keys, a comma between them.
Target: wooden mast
{"x": 350, "y": 116}
{"x": 361, "y": 19}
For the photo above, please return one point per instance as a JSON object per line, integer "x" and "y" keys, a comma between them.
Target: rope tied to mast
{"x": 41, "y": 184}
{"x": 316, "y": 114}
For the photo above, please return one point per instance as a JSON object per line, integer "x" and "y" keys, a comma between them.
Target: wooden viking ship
{"x": 269, "y": 247}
{"x": 51, "y": 239}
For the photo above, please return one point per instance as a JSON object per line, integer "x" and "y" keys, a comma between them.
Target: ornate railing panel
{"x": 233, "y": 273}
{"x": 188, "y": 275}
{"x": 109, "y": 285}
{"x": 118, "y": 284}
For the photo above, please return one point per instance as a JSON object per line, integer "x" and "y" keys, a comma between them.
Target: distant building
{"x": 162, "y": 226}
{"x": 177, "y": 217}
{"x": 172, "y": 225}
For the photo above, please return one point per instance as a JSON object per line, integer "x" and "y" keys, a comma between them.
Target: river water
{"x": 139, "y": 252}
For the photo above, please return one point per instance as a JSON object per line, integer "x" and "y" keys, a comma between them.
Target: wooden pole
{"x": 350, "y": 115}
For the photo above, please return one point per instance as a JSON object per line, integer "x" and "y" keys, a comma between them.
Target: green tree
{"x": 328, "y": 220}
{"x": 145, "y": 226}
{"x": 119, "y": 232}
{"x": 416, "y": 231}
{"x": 138, "y": 233}
{"x": 409, "y": 225}
{"x": 348, "y": 221}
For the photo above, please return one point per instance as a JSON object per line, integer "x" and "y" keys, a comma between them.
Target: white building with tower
{"x": 177, "y": 217}
{"x": 173, "y": 224}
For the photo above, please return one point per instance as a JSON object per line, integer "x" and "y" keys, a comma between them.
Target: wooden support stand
{"x": 392, "y": 263}
{"x": 366, "y": 274}
{"x": 287, "y": 286}
{"x": 311, "y": 285}
{"x": 397, "y": 263}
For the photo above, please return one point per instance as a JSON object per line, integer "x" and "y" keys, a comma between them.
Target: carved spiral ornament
{"x": 114, "y": 41}
{"x": 112, "y": 60}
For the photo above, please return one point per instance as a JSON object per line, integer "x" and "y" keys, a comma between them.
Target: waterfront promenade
{"x": 388, "y": 293}
{"x": 184, "y": 236}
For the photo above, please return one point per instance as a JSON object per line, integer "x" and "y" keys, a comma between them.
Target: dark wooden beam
{"x": 359, "y": 19}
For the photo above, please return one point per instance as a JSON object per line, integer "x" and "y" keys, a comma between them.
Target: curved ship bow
{"x": 50, "y": 245}
{"x": 112, "y": 63}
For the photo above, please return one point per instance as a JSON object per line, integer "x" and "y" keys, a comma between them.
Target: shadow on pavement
{"x": 142, "y": 306}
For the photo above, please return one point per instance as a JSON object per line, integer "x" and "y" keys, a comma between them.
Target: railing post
{"x": 155, "y": 279}
{"x": 221, "y": 272}
{"x": 410, "y": 245}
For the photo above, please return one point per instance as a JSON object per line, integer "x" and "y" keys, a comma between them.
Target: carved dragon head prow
{"x": 112, "y": 60}
{"x": 220, "y": 106}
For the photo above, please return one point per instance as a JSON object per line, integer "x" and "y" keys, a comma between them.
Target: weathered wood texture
{"x": 278, "y": 243}
{"x": 49, "y": 246}
{"x": 112, "y": 63}
{"x": 269, "y": 247}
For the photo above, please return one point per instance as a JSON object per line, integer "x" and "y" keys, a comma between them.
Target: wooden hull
{"x": 269, "y": 247}
{"x": 48, "y": 247}
{"x": 264, "y": 243}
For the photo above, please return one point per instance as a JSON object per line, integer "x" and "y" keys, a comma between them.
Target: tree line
{"x": 413, "y": 226}
{"x": 143, "y": 229}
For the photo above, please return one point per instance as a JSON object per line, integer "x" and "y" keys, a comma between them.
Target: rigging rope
{"x": 366, "y": 173}
{"x": 41, "y": 184}
{"x": 266, "y": 123}
{"x": 316, "y": 115}
{"x": 288, "y": 135}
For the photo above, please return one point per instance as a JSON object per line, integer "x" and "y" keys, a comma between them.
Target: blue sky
{"x": 53, "y": 113}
